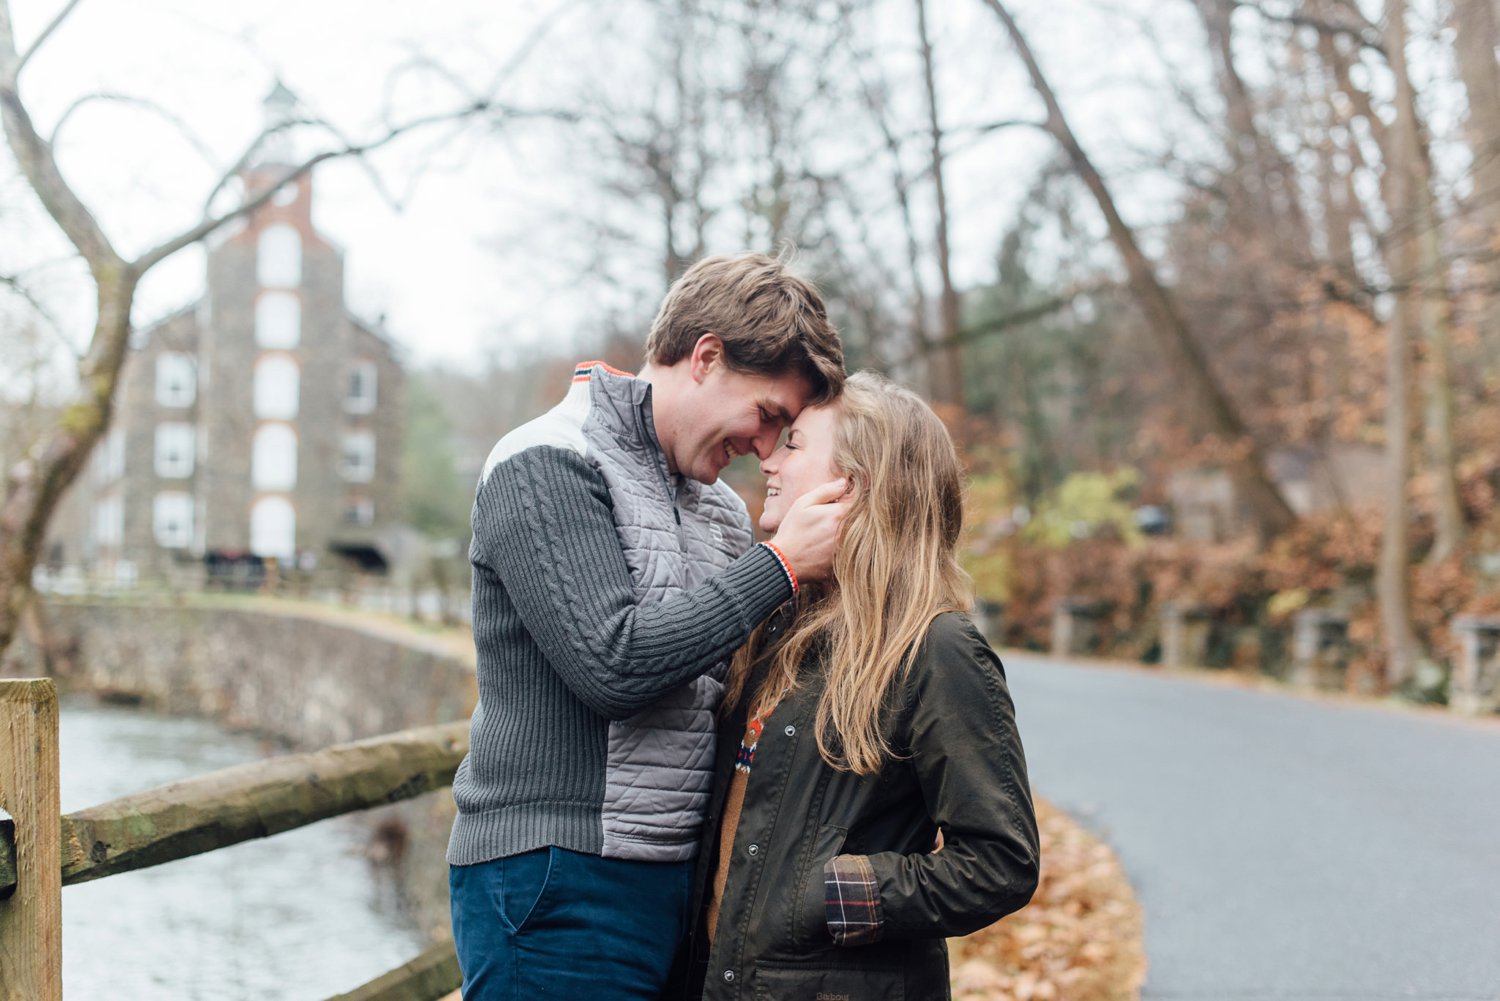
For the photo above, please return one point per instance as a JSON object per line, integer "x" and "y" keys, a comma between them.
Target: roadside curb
{"x": 1254, "y": 682}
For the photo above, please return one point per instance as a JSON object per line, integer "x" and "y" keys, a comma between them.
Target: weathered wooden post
{"x": 1475, "y": 688}
{"x": 989, "y": 616}
{"x": 1075, "y": 626}
{"x": 1320, "y": 648}
{"x": 31, "y": 919}
{"x": 1184, "y": 635}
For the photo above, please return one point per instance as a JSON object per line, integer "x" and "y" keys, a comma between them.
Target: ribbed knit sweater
{"x": 582, "y": 679}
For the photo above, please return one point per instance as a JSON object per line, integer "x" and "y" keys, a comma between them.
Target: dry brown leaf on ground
{"x": 1078, "y": 940}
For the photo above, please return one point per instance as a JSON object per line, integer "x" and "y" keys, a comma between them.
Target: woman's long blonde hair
{"x": 896, "y": 570}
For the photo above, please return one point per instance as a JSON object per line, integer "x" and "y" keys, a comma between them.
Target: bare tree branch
{"x": 171, "y": 117}
{"x": 209, "y": 224}
{"x": 14, "y": 283}
{"x": 34, "y": 156}
{"x": 52, "y": 26}
{"x": 1032, "y": 313}
{"x": 376, "y": 181}
{"x": 247, "y": 157}
{"x": 529, "y": 45}
{"x": 1358, "y": 30}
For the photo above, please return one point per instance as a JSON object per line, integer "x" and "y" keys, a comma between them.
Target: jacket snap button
{"x": 729, "y": 976}
{"x": 753, "y": 849}
{"x": 790, "y": 730}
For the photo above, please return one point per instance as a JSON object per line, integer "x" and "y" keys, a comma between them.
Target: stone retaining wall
{"x": 305, "y": 675}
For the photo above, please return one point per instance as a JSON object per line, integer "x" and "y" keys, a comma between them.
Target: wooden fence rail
{"x": 431, "y": 975}
{"x": 41, "y": 851}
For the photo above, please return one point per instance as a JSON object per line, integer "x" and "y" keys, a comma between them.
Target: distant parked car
{"x": 1152, "y": 519}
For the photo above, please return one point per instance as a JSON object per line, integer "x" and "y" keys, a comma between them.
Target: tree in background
{"x": 435, "y": 498}
{"x": 1208, "y": 406}
{"x": 1044, "y": 362}
{"x": 35, "y": 486}
{"x": 1228, "y": 277}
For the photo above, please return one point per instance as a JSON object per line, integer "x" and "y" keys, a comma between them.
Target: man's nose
{"x": 765, "y": 443}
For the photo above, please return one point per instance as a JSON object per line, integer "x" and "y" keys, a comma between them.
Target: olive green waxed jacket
{"x": 959, "y": 769}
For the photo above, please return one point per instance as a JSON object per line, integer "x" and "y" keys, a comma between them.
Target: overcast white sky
{"x": 212, "y": 64}
{"x": 431, "y": 267}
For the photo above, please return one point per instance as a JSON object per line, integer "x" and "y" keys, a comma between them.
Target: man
{"x": 613, "y": 577}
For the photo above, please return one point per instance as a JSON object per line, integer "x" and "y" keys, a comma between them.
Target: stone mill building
{"x": 263, "y": 420}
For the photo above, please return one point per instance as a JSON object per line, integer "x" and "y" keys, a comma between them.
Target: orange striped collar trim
{"x": 582, "y": 369}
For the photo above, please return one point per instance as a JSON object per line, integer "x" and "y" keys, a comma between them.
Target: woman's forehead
{"x": 815, "y": 419}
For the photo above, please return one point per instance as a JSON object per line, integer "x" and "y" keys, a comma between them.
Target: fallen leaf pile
{"x": 1078, "y": 940}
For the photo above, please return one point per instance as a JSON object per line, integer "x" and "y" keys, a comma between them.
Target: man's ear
{"x": 708, "y": 352}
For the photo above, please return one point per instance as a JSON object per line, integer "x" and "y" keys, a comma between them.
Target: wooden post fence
{"x": 41, "y": 850}
{"x": 31, "y": 916}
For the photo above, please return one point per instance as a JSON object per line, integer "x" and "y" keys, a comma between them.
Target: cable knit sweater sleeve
{"x": 543, "y": 527}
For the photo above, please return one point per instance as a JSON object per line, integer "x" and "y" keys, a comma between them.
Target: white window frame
{"x": 273, "y": 458}
{"x": 176, "y": 450}
{"x": 359, "y": 511}
{"x": 270, "y": 534}
{"x": 176, "y": 379}
{"x": 109, "y": 521}
{"x": 360, "y": 447}
{"x": 278, "y": 385}
{"x": 172, "y": 519}
{"x": 278, "y": 256}
{"x": 278, "y": 320}
{"x": 363, "y": 374}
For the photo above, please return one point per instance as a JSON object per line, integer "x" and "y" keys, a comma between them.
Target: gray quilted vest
{"x": 675, "y": 533}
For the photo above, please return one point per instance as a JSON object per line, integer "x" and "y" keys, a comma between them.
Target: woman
{"x": 870, "y": 719}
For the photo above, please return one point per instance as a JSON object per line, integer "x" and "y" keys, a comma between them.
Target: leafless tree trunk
{"x": 1423, "y": 280}
{"x": 1436, "y": 304}
{"x": 1244, "y": 460}
{"x": 1341, "y": 205}
{"x": 34, "y": 488}
{"x": 679, "y": 168}
{"x": 1394, "y": 576}
{"x": 1477, "y": 32}
{"x": 875, "y": 98}
{"x": 1268, "y": 182}
{"x": 947, "y": 382}
{"x": 1393, "y": 583}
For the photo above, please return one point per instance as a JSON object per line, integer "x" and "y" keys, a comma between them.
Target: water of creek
{"x": 302, "y": 915}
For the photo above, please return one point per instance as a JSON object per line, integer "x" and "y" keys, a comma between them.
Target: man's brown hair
{"x": 771, "y": 322}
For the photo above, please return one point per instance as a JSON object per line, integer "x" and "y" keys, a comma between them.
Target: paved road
{"x": 1281, "y": 847}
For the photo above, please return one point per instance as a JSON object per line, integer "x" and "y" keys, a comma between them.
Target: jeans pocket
{"x": 524, "y": 880}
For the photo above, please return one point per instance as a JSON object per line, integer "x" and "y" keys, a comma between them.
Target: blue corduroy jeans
{"x": 553, "y": 923}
